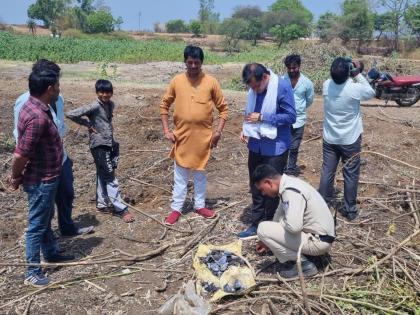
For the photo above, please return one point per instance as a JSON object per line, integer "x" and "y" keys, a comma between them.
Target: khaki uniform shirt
{"x": 297, "y": 214}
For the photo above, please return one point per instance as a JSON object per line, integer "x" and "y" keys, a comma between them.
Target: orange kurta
{"x": 193, "y": 117}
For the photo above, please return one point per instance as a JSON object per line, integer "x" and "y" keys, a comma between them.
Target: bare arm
{"x": 18, "y": 165}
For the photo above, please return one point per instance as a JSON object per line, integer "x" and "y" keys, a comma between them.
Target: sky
{"x": 151, "y": 11}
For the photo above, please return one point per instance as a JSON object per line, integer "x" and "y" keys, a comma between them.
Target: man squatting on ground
{"x": 343, "y": 128}
{"x": 303, "y": 92}
{"x": 65, "y": 191}
{"x": 193, "y": 94}
{"x": 36, "y": 164}
{"x": 302, "y": 217}
{"x": 269, "y": 114}
{"x": 104, "y": 149}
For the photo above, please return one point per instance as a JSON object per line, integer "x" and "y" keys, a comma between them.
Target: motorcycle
{"x": 404, "y": 90}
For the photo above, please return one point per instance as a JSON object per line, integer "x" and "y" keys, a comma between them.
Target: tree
{"x": 356, "y": 21}
{"x": 176, "y": 26}
{"x": 47, "y": 11}
{"x": 208, "y": 17}
{"x": 196, "y": 28}
{"x": 31, "y": 26}
{"x": 247, "y": 12}
{"x": 381, "y": 23}
{"x": 233, "y": 31}
{"x": 413, "y": 19}
{"x": 397, "y": 10}
{"x": 327, "y": 26}
{"x": 287, "y": 20}
{"x": 101, "y": 22}
{"x": 284, "y": 34}
{"x": 292, "y": 6}
{"x": 252, "y": 16}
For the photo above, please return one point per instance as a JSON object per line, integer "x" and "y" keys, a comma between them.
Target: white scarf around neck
{"x": 261, "y": 129}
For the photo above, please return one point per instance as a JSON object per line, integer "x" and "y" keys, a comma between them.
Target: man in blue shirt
{"x": 268, "y": 118}
{"x": 343, "y": 130}
{"x": 303, "y": 90}
{"x": 65, "y": 192}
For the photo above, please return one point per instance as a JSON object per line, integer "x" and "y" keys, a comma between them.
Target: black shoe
{"x": 351, "y": 215}
{"x": 59, "y": 258}
{"x": 80, "y": 231}
{"x": 308, "y": 269}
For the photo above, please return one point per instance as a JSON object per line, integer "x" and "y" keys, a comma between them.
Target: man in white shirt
{"x": 303, "y": 91}
{"x": 343, "y": 130}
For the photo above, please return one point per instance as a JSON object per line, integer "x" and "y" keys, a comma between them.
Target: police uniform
{"x": 302, "y": 216}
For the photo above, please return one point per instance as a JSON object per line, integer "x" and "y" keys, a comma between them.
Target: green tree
{"x": 292, "y": 6}
{"x": 413, "y": 19}
{"x": 247, "y": 12}
{"x": 196, "y": 28}
{"x": 31, "y": 26}
{"x": 252, "y": 15}
{"x": 284, "y": 34}
{"x": 208, "y": 17}
{"x": 101, "y": 21}
{"x": 356, "y": 22}
{"x": 381, "y": 23}
{"x": 176, "y": 26}
{"x": 397, "y": 10}
{"x": 232, "y": 29}
{"x": 47, "y": 11}
{"x": 287, "y": 20}
{"x": 327, "y": 26}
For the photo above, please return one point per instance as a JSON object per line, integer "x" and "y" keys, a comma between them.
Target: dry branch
{"x": 131, "y": 258}
{"x": 148, "y": 184}
{"x": 301, "y": 279}
{"x": 195, "y": 240}
{"x": 381, "y": 155}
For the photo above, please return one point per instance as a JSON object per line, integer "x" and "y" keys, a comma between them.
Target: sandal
{"x": 126, "y": 216}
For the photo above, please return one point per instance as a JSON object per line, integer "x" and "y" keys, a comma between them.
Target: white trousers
{"x": 179, "y": 193}
{"x": 108, "y": 193}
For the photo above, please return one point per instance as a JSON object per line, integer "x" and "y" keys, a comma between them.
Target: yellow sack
{"x": 245, "y": 273}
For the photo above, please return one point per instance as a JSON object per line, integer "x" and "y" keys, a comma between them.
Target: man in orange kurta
{"x": 194, "y": 95}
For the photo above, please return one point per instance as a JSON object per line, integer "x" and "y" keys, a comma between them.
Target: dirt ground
{"x": 145, "y": 175}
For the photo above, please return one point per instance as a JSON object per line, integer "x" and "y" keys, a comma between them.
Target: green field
{"x": 72, "y": 50}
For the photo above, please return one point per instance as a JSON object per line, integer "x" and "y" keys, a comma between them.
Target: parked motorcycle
{"x": 404, "y": 90}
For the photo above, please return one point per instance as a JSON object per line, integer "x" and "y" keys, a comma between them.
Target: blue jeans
{"x": 64, "y": 200}
{"x": 39, "y": 235}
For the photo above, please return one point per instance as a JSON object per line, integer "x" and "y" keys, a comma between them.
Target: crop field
{"x": 374, "y": 265}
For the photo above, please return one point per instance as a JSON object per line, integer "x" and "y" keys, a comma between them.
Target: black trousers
{"x": 263, "y": 208}
{"x": 332, "y": 154}
{"x": 297, "y": 135}
{"x": 106, "y": 160}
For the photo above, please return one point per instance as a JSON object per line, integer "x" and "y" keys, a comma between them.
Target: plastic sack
{"x": 189, "y": 303}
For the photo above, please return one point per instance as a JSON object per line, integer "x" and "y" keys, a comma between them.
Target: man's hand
{"x": 358, "y": 68}
{"x": 244, "y": 139}
{"x": 253, "y": 117}
{"x": 215, "y": 139}
{"x": 92, "y": 130}
{"x": 261, "y": 248}
{"x": 14, "y": 183}
{"x": 170, "y": 136}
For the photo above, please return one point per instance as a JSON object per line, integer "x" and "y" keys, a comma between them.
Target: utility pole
{"x": 139, "y": 20}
